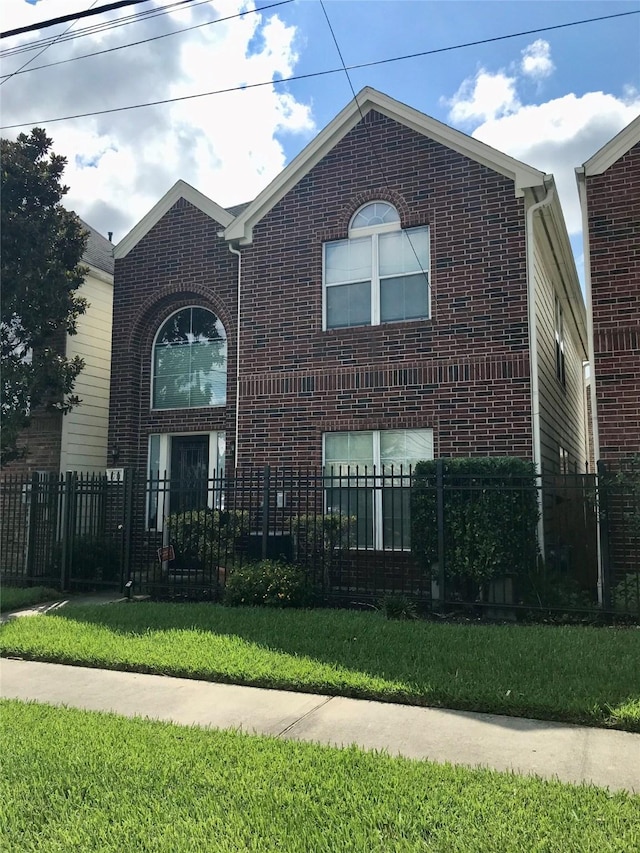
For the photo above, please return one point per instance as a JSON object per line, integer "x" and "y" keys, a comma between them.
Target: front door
{"x": 189, "y": 472}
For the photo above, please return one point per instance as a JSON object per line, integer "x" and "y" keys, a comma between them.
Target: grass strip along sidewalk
{"x": 572, "y": 674}
{"x": 77, "y": 780}
{"x": 11, "y": 597}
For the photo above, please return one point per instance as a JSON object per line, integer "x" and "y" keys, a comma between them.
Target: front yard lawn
{"x": 77, "y": 780}
{"x": 575, "y": 674}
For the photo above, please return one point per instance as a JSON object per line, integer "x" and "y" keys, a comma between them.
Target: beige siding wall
{"x": 84, "y": 429}
{"x": 562, "y": 408}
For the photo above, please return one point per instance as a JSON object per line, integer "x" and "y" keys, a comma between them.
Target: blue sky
{"x": 551, "y": 98}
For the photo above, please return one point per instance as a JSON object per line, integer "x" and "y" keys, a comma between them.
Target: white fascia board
{"x": 370, "y": 99}
{"x": 179, "y": 190}
{"x": 614, "y": 149}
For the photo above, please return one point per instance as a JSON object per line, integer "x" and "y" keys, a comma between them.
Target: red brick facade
{"x": 613, "y": 203}
{"x": 464, "y": 372}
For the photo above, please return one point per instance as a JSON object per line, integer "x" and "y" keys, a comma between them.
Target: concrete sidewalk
{"x": 570, "y": 753}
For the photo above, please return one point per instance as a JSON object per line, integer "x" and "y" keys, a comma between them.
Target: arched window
{"x": 190, "y": 361}
{"x": 380, "y": 274}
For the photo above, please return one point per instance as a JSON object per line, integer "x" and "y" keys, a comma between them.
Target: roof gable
{"x": 370, "y": 99}
{"x": 179, "y": 190}
{"x": 614, "y": 149}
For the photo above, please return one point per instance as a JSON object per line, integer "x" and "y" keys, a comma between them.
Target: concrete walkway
{"x": 552, "y": 750}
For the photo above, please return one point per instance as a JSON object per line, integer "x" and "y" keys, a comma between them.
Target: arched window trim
{"x": 161, "y": 325}
{"x": 365, "y": 230}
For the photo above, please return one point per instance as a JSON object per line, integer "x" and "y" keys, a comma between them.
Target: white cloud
{"x": 120, "y": 164}
{"x": 536, "y": 60}
{"x": 559, "y": 135}
{"x": 484, "y": 97}
{"x": 554, "y": 136}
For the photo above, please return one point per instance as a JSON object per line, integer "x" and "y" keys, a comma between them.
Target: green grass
{"x": 83, "y": 781}
{"x": 12, "y": 597}
{"x": 575, "y": 674}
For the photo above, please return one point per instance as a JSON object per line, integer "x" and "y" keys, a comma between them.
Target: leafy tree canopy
{"x": 42, "y": 244}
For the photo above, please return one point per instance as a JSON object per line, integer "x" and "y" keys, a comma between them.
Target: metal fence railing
{"x": 569, "y": 542}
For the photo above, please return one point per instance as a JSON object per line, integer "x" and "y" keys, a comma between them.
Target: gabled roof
{"x": 370, "y": 99}
{"x": 179, "y": 190}
{"x": 99, "y": 251}
{"x": 614, "y": 149}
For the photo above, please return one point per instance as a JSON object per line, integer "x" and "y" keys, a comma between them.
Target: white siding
{"x": 562, "y": 408}
{"x": 84, "y": 429}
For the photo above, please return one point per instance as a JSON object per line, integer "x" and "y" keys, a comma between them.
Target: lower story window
{"x": 368, "y": 476}
{"x": 184, "y": 473}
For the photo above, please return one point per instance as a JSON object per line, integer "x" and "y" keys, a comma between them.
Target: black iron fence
{"x": 568, "y": 542}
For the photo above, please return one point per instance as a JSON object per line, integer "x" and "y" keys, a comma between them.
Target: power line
{"x": 33, "y": 58}
{"x": 102, "y": 26}
{"x": 145, "y": 41}
{"x": 316, "y": 73}
{"x": 74, "y": 16}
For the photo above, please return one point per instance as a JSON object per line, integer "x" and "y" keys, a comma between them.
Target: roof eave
{"x": 181, "y": 189}
{"x": 613, "y": 150}
{"x": 522, "y": 175}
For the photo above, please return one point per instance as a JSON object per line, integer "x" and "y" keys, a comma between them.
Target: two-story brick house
{"x": 609, "y": 187}
{"x": 400, "y": 291}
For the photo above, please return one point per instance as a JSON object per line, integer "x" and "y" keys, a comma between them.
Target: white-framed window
{"x": 559, "y": 334}
{"x": 185, "y": 472}
{"x": 379, "y": 274}
{"x": 368, "y": 477}
{"x": 189, "y": 361}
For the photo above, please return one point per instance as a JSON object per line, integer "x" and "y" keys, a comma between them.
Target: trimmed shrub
{"x": 90, "y": 558}
{"x": 490, "y": 519}
{"x": 207, "y": 535}
{"x": 318, "y": 538}
{"x": 268, "y": 583}
{"x": 625, "y": 596}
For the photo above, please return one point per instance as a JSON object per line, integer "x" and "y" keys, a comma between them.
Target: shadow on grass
{"x": 565, "y": 674}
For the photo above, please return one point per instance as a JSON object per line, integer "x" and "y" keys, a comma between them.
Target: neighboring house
{"x": 77, "y": 441}
{"x": 400, "y": 291}
{"x": 609, "y": 187}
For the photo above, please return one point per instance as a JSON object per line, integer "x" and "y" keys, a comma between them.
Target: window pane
{"x": 357, "y": 503}
{"x": 404, "y": 251}
{"x": 377, "y": 213}
{"x": 405, "y": 446}
{"x": 349, "y": 305}
{"x": 348, "y": 449}
{"x": 190, "y": 361}
{"x": 348, "y": 260}
{"x": 404, "y": 298}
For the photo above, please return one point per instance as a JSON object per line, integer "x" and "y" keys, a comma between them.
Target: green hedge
{"x": 490, "y": 518}
{"x": 269, "y": 583}
{"x": 208, "y": 534}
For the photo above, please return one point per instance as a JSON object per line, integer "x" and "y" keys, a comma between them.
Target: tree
{"x": 42, "y": 245}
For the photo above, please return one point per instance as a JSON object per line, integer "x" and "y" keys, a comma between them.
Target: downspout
{"x": 586, "y": 252}
{"x": 533, "y": 353}
{"x": 235, "y": 251}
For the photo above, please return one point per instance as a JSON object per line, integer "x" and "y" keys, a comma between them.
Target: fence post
{"x": 33, "y": 524}
{"x": 67, "y": 496}
{"x": 265, "y": 510}
{"x": 604, "y": 563}
{"x": 440, "y": 514}
{"x": 128, "y": 476}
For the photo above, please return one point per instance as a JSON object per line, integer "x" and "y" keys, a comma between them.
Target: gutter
{"x": 235, "y": 251}
{"x": 533, "y": 348}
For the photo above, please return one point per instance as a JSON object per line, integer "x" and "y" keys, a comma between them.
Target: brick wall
{"x": 614, "y": 233}
{"x": 464, "y": 372}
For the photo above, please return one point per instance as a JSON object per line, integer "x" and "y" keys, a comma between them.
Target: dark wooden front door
{"x": 189, "y": 472}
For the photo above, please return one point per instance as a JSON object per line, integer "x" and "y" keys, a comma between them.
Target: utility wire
{"x": 313, "y": 73}
{"x": 103, "y": 26}
{"x": 74, "y": 16}
{"x": 33, "y": 58}
{"x": 371, "y": 145}
{"x": 144, "y": 41}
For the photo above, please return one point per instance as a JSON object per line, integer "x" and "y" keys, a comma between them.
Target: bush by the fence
{"x": 625, "y": 596}
{"x": 90, "y": 558}
{"x": 268, "y": 583}
{"x": 320, "y": 538}
{"x": 210, "y": 535}
{"x": 490, "y": 514}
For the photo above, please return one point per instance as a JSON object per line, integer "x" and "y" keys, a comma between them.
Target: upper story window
{"x": 190, "y": 361}
{"x": 380, "y": 274}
